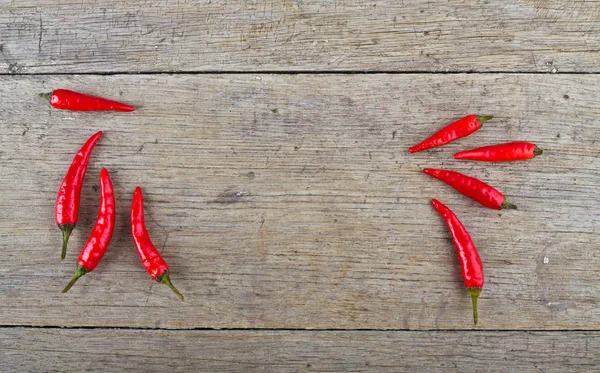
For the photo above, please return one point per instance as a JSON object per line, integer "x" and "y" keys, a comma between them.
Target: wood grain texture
{"x": 290, "y": 201}
{"x": 49, "y": 36}
{"x": 37, "y": 350}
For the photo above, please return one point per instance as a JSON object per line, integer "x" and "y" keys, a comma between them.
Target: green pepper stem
{"x": 483, "y": 118}
{"x": 66, "y": 231}
{"x": 164, "y": 279}
{"x": 474, "y": 292}
{"x": 537, "y": 151}
{"x": 508, "y": 206}
{"x": 80, "y": 271}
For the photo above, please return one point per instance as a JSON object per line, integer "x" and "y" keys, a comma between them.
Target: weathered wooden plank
{"x": 434, "y": 35}
{"x": 290, "y": 201}
{"x": 42, "y": 350}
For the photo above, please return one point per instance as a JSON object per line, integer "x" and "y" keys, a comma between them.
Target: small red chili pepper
{"x": 473, "y": 188}
{"x": 99, "y": 239}
{"x": 508, "y": 152}
{"x": 67, "y": 201}
{"x": 75, "y": 101}
{"x": 454, "y": 131}
{"x": 153, "y": 262}
{"x": 470, "y": 262}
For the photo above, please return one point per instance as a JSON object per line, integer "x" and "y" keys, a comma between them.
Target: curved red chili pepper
{"x": 470, "y": 262}
{"x": 99, "y": 239}
{"x": 75, "y": 101}
{"x": 454, "y": 131}
{"x": 508, "y": 152}
{"x": 473, "y": 188}
{"x": 153, "y": 262}
{"x": 66, "y": 211}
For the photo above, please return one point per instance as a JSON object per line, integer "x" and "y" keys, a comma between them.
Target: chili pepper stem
{"x": 164, "y": 279}
{"x": 508, "y": 206}
{"x": 474, "y": 292}
{"x": 46, "y": 96}
{"x": 537, "y": 151}
{"x": 483, "y": 118}
{"x": 80, "y": 271}
{"x": 66, "y": 229}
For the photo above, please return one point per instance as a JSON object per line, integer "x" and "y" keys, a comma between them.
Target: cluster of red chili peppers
{"x": 67, "y": 201}
{"x": 477, "y": 190}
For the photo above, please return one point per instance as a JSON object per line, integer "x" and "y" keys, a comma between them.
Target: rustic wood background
{"x": 271, "y": 143}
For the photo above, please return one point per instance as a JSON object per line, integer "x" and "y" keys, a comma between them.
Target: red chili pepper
{"x": 67, "y": 201}
{"x": 99, "y": 239}
{"x": 153, "y": 262}
{"x": 473, "y": 188}
{"x": 470, "y": 262}
{"x": 454, "y": 131}
{"x": 508, "y": 152}
{"x": 75, "y": 101}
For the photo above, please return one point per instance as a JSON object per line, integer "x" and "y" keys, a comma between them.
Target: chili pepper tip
{"x": 164, "y": 279}
{"x": 126, "y": 108}
{"x": 66, "y": 229}
{"x": 474, "y": 292}
{"x": 483, "y": 118}
{"x": 80, "y": 271}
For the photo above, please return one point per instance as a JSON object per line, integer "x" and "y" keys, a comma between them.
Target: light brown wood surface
{"x": 286, "y": 204}
{"x": 298, "y": 351}
{"x": 290, "y": 201}
{"x": 50, "y": 36}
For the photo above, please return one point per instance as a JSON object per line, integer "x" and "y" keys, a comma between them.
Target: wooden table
{"x": 271, "y": 142}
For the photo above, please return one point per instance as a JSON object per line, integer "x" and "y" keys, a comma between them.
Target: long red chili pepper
{"x": 75, "y": 101}
{"x": 510, "y": 151}
{"x": 473, "y": 188}
{"x": 99, "y": 239}
{"x": 67, "y": 201}
{"x": 461, "y": 128}
{"x": 470, "y": 262}
{"x": 153, "y": 262}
